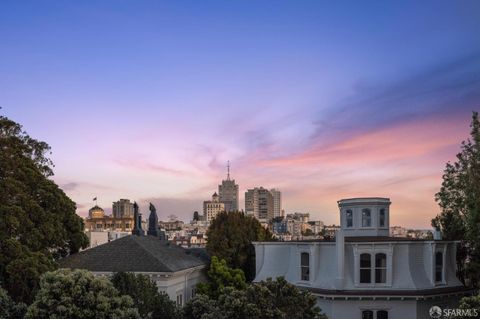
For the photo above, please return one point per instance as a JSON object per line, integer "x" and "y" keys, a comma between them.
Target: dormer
{"x": 366, "y": 216}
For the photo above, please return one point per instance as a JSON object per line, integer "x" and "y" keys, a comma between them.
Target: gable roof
{"x": 134, "y": 254}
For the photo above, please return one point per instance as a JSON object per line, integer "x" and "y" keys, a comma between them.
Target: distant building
{"x": 228, "y": 193}
{"x": 171, "y": 225}
{"x": 259, "y": 203}
{"x": 122, "y": 208}
{"x": 277, "y": 202}
{"x": 98, "y": 221}
{"x": 365, "y": 273}
{"x": 212, "y": 208}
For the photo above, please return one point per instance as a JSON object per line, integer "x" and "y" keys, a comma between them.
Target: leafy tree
{"x": 459, "y": 199}
{"x": 270, "y": 299}
{"x": 230, "y": 236}
{"x": 37, "y": 220}
{"x": 144, "y": 292}
{"x": 472, "y": 304}
{"x": 196, "y": 216}
{"x": 8, "y": 308}
{"x": 308, "y": 232}
{"x": 78, "y": 294}
{"x": 221, "y": 276}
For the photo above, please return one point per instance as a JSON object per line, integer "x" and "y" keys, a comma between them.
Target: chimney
{"x": 437, "y": 234}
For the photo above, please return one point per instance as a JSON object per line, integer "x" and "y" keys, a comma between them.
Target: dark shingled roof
{"x": 134, "y": 254}
{"x": 393, "y": 292}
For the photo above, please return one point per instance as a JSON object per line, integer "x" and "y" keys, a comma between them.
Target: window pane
{"x": 438, "y": 266}
{"x": 438, "y": 259}
{"x": 305, "y": 259}
{"x": 380, "y": 276}
{"x": 365, "y": 260}
{"x": 366, "y": 218}
{"x": 305, "y": 273}
{"x": 367, "y": 314}
{"x": 382, "y": 314}
{"x": 380, "y": 260}
{"x": 349, "y": 218}
{"x": 382, "y": 217}
{"x": 365, "y": 276}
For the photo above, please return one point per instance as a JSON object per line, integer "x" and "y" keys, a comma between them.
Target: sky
{"x": 148, "y": 100}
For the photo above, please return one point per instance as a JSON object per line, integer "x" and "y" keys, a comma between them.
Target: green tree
{"x": 146, "y": 297}
{"x": 459, "y": 200}
{"x": 37, "y": 220}
{"x": 9, "y": 309}
{"x": 230, "y": 237}
{"x": 221, "y": 276}
{"x": 270, "y": 299}
{"x": 471, "y": 304}
{"x": 78, "y": 294}
{"x": 196, "y": 216}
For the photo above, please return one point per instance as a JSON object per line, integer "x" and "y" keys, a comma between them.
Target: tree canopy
{"x": 78, "y": 294}
{"x": 146, "y": 297}
{"x": 37, "y": 219}
{"x": 459, "y": 200}
{"x": 9, "y": 309}
{"x": 230, "y": 236}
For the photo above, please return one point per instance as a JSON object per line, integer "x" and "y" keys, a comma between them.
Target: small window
{"x": 381, "y": 218}
{"x": 380, "y": 268}
{"x": 382, "y": 314}
{"x": 349, "y": 216}
{"x": 305, "y": 266}
{"x": 367, "y": 314}
{"x": 366, "y": 217}
{"x": 438, "y": 267}
{"x": 179, "y": 300}
{"x": 365, "y": 269}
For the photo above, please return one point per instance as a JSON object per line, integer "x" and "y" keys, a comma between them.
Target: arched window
{"x": 438, "y": 267}
{"x": 367, "y": 314}
{"x": 381, "y": 218}
{"x": 380, "y": 268}
{"x": 382, "y": 314}
{"x": 366, "y": 217}
{"x": 349, "y": 217}
{"x": 305, "y": 266}
{"x": 365, "y": 268}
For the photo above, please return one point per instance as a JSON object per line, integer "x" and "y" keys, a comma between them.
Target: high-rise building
{"x": 277, "y": 202}
{"x": 259, "y": 203}
{"x": 228, "y": 192}
{"x": 212, "y": 208}
{"x": 122, "y": 208}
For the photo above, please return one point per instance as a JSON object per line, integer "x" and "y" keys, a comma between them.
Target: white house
{"x": 364, "y": 273}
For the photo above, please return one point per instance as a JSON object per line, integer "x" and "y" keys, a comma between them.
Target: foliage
{"x": 270, "y": 299}
{"x": 308, "y": 232}
{"x": 459, "y": 199}
{"x": 8, "y": 308}
{"x": 230, "y": 236}
{"x": 37, "y": 220}
{"x": 78, "y": 294}
{"x": 196, "y": 216}
{"x": 144, "y": 292}
{"x": 221, "y": 276}
{"x": 471, "y": 303}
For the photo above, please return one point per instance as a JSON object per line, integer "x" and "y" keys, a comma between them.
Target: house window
{"x": 438, "y": 267}
{"x": 381, "y": 218}
{"x": 366, "y": 217}
{"x": 349, "y": 215}
{"x": 179, "y": 300}
{"x": 193, "y": 293}
{"x": 382, "y": 314}
{"x": 367, "y": 314}
{"x": 380, "y": 268}
{"x": 365, "y": 268}
{"x": 305, "y": 266}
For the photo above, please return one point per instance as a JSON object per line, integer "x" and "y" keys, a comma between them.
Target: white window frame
{"x": 386, "y": 249}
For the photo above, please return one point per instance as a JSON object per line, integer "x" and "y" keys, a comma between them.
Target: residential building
{"x": 277, "y": 202}
{"x": 259, "y": 203}
{"x": 212, "y": 208}
{"x": 175, "y": 270}
{"x": 228, "y": 193}
{"x": 122, "y": 208}
{"x": 364, "y": 273}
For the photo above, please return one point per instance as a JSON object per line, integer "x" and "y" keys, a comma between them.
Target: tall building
{"x": 212, "y": 208}
{"x": 228, "y": 192}
{"x": 277, "y": 202}
{"x": 259, "y": 203}
{"x": 122, "y": 208}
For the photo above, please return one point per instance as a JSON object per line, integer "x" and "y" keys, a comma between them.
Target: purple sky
{"x": 148, "y": 100}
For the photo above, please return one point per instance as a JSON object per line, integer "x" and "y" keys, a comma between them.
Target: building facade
{"x": 98, "y": 221}
{"x": 228, "y": 193}
{"x": 212, "y": 208}
{"x": 277, "y": 202}
{"x": 122, "y": 208}
{"x": 259, "y": 203}
{"x": 364, "y": 273}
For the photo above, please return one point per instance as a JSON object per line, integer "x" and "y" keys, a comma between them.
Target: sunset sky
{"x": 147, "y": 100}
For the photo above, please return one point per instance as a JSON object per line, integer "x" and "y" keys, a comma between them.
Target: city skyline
{"x": 149, "y": 101}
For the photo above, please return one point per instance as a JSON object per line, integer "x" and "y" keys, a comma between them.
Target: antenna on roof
{"x": 228, "y": 170}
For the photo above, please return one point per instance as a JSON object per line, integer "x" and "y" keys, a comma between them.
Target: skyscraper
{"x": 122, "y": 208}
{"x": 259, "y": 203}
{"x": 228, "y": 192}
{"x": 277, "y": 202}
